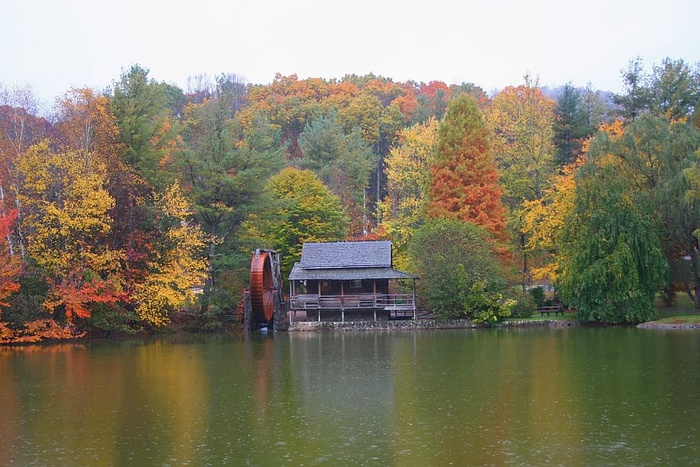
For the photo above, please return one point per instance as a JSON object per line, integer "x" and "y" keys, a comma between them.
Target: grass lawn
{"x": 681, "y": 312}
{"x": 680, "y": 319}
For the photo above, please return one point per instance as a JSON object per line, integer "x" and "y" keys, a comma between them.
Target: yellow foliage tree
{"x": 178, "y": 265}
{"x": 543, "y": 223}
{"x": 408, "y": 178}
{"x": 66, "y": 223}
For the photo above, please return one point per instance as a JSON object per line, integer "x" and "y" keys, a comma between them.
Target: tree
{"x": 612, "y": 262}
{"x": 177, "y": 265}
{"x": 522, "y": 122}
{"x": 19, "y": 129}
{"x": 636, "y": 98}
{"x": 141, "y": 109}
{"x": 303, "y": 209}
{"x": 672, "y": 90}
{"x": 460, "y": 274}
{"x": 544, "y": 221}
{"x": 408, "y": 180}
{"x": 570, "y": 126}
{"x": 598, "y": 108}
{"x": 85, "y": 123}
{"x": 464, "y": 180}
{"x": 223, "y": 167}
{"x": 290, "y": 104}
{"x": 11, "y": 265}
{"x": 65, "y": 215}
{"x": 343, "y": 162}
{"x": 655, "y": 154}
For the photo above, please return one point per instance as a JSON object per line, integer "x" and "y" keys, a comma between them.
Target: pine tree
{"x": 570, "y": 127}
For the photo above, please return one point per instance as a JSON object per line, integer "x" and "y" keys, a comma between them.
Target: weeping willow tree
{"x": 612, "y": 261}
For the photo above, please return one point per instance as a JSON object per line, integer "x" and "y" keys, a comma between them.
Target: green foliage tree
{"x": 459, "y": 270}
{"x": 636, "y": 97}
{"x": 140, "y": 106}
{"x": 655, "y": 154}
{"x": 302, "y": 210}
{"x": 671, "y": 90}
{"x": 223, "y": 167}
{"x": 612, "y": 263}
{"x": 343, "y": 162}
{"x": 570, "y": 127}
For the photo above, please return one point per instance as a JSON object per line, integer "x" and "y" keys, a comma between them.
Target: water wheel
{"x": 265, "y": 286}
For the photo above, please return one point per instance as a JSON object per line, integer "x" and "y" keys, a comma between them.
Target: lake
{"x": 571, "y": 396}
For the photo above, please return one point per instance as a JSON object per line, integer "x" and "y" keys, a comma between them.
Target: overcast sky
{"x": 53, "y": 45}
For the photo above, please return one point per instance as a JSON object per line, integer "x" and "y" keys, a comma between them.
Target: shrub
{"x": 525, "y": 305}
{"x": 459, "y": 270}
{"x": 537, "y": 295}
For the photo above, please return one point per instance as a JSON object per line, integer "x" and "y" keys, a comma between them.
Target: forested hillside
{"x": 127, "y": 207}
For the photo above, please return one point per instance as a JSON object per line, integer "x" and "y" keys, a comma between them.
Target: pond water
{"x": 576, "y": 396}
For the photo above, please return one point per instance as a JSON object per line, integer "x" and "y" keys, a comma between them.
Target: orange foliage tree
{"x": 464, "y": 180}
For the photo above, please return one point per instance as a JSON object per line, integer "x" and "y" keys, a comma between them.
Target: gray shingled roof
{"x": 376, "y": 254}
{"x": 346, "y": 261}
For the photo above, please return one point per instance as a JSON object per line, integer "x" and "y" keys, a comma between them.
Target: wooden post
{"x": 413, "y": 291}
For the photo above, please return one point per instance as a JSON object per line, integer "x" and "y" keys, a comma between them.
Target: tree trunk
{"x": 209, "y": 282}
{"x": 695, "y": 295}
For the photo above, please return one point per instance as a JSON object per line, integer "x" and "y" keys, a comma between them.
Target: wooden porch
{"x": 392, "y": 306}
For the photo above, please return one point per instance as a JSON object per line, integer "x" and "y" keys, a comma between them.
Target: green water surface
{"x": 578, "y": 396}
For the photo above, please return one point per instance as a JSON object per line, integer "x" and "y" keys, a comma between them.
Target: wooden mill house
{"x": 349, "y": 280}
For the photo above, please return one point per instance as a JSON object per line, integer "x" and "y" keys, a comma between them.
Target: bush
{"x": 460, "y": 273}
{"x": 537, "y": 294}
{"x": 27, "y": 304}
{"x": 526, "y": 304}
{"x": 108, "y": 319}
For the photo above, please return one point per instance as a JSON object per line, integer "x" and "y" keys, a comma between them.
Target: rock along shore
{"x": 419, "y": 324}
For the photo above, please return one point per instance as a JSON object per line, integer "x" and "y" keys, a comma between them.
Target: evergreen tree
{"x": 570, "y": 127}
{"x": 343, "y": 161}
{"x": 464, "y": 180}
{"x": 141, "y": 108}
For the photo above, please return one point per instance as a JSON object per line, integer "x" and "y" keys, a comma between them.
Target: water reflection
{"x": 499, "y": 397}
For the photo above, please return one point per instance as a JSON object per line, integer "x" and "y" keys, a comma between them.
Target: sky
{"x": 53, "y": 45}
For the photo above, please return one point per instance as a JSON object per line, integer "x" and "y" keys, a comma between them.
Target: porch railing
{"x": 355, "y": 301}
{"x": 397, "y": 305}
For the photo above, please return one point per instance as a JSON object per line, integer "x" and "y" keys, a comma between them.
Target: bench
{"x": 556, "y": 309}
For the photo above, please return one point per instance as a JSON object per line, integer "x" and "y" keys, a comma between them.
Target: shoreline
{"x": 421, "y": 324}
{"x": 657, "y": 325}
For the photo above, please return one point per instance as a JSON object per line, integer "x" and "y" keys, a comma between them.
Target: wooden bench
{"x": 556, "y": 309}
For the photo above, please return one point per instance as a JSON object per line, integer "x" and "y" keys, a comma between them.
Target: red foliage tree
{"x": 11, "y": 265}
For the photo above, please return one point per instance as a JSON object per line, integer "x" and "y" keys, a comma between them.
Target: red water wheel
{"x": 262, "y": 287}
